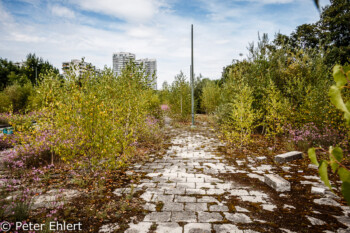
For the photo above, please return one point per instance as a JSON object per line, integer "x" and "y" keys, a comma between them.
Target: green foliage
{"x": 330, "y": 34}
{"x": 341, "y": 77}
{"x": 240, "y": 123}
{"x": 164, "y": 93}
{"x": 16, "y": 82}
{"x": 335, "y": 162}
{"x": 210, "y": 98}
{"x": 93, "y": 120}
{"x": 34, "y": 66}
{"x": 289, "y": 88}
{"x": 15, "y": 97}
{"x": 277, "y": 109}
{"x": 32, "y": 69}
{"x": 180, "y": 98}
{"x": 5, "y": 102}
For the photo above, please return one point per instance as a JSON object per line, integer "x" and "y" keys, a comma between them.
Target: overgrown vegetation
{"x": 336, "y": 157}
{"x": 91, "y": 125}
{"x": 17, "y": 81}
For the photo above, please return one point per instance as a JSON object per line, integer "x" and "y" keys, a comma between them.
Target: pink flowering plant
{"x": 314, "y": 135}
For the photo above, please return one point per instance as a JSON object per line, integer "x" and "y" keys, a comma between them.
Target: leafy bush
{"x": 238, "y": 128}
{"x": 336, "y": 158}
{"x": 180, "y": 99}
{"x": 277, "y": 110}
{"x": 210, "y": 97}
{"x": 15, "y": 96}
{"x": 5, "y": 102}
{"x": 289, "y": 88}
{"x": 90, "y": 120}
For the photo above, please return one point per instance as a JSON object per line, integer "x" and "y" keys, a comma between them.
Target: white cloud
{"x": 142, "y": 31}
{"x": 4, "y": 15}
{"x": 129, "y": 10}
{"x": 272, "y": 1}
{"x": 62, "y": 11}
{"x": 149, "y": 31}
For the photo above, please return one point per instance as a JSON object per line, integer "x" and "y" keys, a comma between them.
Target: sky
{"x": 61, "y": 30}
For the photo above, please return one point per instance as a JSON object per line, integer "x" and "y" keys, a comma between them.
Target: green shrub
{"x": 180, "y": 99}
{"x": 17, "y": 96}
{"x": 210, "y": 98}
{"x": 5, "y": 102}
{"x": 92, "y": 120}
{"x": 240, "y": 124}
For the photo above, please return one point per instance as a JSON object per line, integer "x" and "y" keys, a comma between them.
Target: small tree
{"x": 276, "y": 111}
{"x": 210, "y": 97}
{"x": 239, "y": 127}
{"x": 180, "y": 98}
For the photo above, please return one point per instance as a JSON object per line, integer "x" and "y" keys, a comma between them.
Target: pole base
{"x": 193, "y": 126}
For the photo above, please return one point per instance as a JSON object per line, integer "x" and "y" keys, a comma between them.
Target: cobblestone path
{"x": 186, "y": 192}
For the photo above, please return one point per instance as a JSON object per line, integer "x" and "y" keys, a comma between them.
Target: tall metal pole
{"x": 36, "y": 74}
{"x": 192, "y": 78}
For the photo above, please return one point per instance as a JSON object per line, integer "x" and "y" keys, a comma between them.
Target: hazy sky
{"x": 95, "y": 29}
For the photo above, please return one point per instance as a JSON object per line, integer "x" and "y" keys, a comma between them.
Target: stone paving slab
{"x": 183, "y": 192}
{"x": 197, "y": 228}
{"x": 171, "y": 227}
{"x": 184, "y": 216}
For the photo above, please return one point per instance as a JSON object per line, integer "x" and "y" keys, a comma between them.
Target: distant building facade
{"x": 150, "y": 66}
{"x": 78, "y": 67}
{"x": 120, "y": 60}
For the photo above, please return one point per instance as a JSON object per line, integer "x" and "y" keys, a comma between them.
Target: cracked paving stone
{"x": 149, "y": 207}
{"x": 168, "y": 227}
{"x": 196, "y": 207}
{"x": 207, "y": 199}
{"x": 195, "y": 191}
{"x": 344, "y": 220}
{"x": 269, "y": 207}
{"x": 173, "y": 206}
{"x": 158, "y": 217}
{"x": 147, "y": 196}
{"x": 326, "y": 201}
{"x": 184, "y": 216}
{"x": 163, "y": 198}
{"x": 239, "y": 192}
{"x": 184, "y": 199}
{"x": 315, "y": 221}
{"x": 240, "y": 209}
{"x": 209, "y": 217}
{"x": 238, "y": 218}
{"x": 205, "y": 185}
{"x": 183, "y": 181}
{"x": 215, "y": 191}
{"x": 218, "y": 208}
{"x": 186, "y": 185}
{"x": 141, "y": 227}
{"x": 226, "y": 228}
{"x": 177, "y": 191}
{"x": 197, "y": 228}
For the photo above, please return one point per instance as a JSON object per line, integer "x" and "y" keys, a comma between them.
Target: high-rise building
{"x": 120, "y": 60}
{"x": 78, "y": 67}
{"x": 150, "y": 66}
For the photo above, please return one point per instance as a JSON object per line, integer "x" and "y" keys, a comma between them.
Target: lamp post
{"x": 192, "y": 78}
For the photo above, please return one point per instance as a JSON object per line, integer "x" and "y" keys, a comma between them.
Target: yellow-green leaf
{"x": 322, "y": 170}
{"x": 312, "y": 156}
